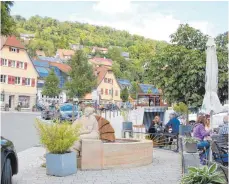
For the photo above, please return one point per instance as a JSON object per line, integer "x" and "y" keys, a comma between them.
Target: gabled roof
{"x": 12, "y": 41}
{"x": 64, "y": 52}
{"x": 101, "y": 72}
{"x": 123, "y": 81}
{"x": 101, "y": 61}
{"x": 63, "y": 67}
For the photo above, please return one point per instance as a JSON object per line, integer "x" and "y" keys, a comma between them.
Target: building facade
{"x": 108, "y": 89}
{"x": 60, "y": 70}
{"x": 18, "y": 75}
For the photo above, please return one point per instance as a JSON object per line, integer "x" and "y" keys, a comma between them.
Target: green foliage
{"x": 189, "y": 37}
{"x": 133, "y": 89}
{"x": 57, "y": 137}
{"x": 189, "y": 139}
{"x": 124, "y": 95}
{"x": 203, "y": 175}
{"x": 125, "y": 114}
{"x": 179, "y": 69}
{"x": 7, "y": 22}
{"x": 181, "y": 108}
{"x": 51, "y": 86}
{"x": 82, "y": 77}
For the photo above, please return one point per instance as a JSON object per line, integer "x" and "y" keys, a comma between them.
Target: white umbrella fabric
{"x": 211, "y": 101}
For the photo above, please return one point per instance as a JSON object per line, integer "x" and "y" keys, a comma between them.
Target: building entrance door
{"x": 11, "y": 101}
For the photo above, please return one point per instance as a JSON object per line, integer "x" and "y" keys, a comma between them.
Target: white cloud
{"x": 137, "y": 18}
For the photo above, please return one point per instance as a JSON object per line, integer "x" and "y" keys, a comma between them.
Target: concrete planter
{"x": 61, "y": 164}
{"x": 190, "y": 147}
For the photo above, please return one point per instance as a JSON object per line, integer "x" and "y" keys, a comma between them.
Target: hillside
{"x": 51, "y": 34}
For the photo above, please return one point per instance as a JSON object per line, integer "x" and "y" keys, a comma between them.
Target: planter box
{"x": 61, "y": 164}
{"x": 190, "y": 147}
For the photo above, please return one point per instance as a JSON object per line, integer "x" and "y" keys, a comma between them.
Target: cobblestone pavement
{"x": 165, "y": 169}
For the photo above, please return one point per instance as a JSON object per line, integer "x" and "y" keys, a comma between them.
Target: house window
{"x": 4, "y": 62}
{"x": 109, "y": 80}
{"x": 101, "y": 91}
{"x": 116, "y": 92}
{"x": 17, "y": 80}
{"x": 12, "y": 49}
{"x": 13, "y": 63}
{"x": 3, "y": 78}
{"x": 106, "y": 92}
{"x": 110, "y": 92}
{"x": 2, "y": 97}
{"x": 21, "y": 65}
{"x": 27, "y": 81}
{"x": 105, "y": 80}
{"x": 24, "y": 101}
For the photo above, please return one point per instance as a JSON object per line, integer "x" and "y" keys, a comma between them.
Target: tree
{"x": 82, "y": 76}
{"x": 133, "y": 89}
{"x": 124, "y": 95}
{"x": 51, "y": 86}
{"x": 189, "y": 37}
{"x": 7, "y": 22}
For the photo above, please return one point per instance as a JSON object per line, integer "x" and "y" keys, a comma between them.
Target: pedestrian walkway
{"x": 166, "y": 168}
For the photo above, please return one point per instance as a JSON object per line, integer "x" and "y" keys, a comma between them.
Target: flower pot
{"x": 190, "y": 147}
{"x": 61, "y": 164}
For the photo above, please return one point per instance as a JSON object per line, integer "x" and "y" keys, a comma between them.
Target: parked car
{"x": 66, "y": 112}
{"x": 9, "y": 161}
{"x": 40, "y": 107}
{"x": 48, "y": 113}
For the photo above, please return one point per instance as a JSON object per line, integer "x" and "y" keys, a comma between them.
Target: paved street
{"x": 19, "y": 128}
{"x": 166, "y": 168}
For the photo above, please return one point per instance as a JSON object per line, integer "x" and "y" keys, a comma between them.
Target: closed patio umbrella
{"x": 211, "y": 101}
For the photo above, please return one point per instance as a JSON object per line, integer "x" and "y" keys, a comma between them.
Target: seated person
{"x": 89, "y": 128}
{"x": 200, "y": 133}
{"x": 223, "y": 130}
{"x": 156, "y": 125}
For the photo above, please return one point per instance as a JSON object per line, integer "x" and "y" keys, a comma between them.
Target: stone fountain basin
{"x": 123, "y": 153}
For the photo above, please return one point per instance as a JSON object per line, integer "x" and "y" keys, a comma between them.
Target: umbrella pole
{"x": 211, "y": 127}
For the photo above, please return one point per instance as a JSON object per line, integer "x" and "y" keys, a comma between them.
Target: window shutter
{"x": 23, "y": 81}
{"x": 25, "y": 65}
{"x": 12, "y": 80}
{"x": 33, "y": 82}
{"x": 9, "y": 63}
{"x": 17, "y": 50}
{"x": 17, "y": 64}
{"x": 9, "y": 79}
{"x": 1, "y": 61}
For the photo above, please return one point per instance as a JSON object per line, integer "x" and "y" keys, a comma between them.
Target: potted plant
{"x": 190, "y": 144}
{"x": 57, "y": 139}
{"x": 203, "y": 175}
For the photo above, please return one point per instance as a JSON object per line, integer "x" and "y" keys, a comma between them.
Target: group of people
{"x": 201, "y": 130}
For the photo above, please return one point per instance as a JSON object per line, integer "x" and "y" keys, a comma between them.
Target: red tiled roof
{"x": 63, "y": 67}
{"x": 100, "y": 48}
{"x": 101, "y": 61}
{"x": 64, "y": 52}
{"x": 101, "y": 72}
{"x": 14, "y": 42}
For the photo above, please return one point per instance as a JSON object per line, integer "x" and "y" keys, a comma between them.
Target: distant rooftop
{"x": 124, "y": 81}
{"x": 45, "y": 58}
{"x": 146, "y": 87}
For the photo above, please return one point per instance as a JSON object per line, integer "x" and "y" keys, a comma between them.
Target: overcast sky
{"x": 156, "y": 20}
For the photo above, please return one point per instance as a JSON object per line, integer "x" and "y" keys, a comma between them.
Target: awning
{"x": 155, "y": 109}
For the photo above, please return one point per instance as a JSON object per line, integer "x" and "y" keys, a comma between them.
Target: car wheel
{"x": 7, "y": 173}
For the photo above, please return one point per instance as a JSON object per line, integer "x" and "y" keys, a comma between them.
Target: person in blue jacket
{"x": 174, "y": 123}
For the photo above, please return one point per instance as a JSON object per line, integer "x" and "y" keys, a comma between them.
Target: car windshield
{"x": 67, "y": 108}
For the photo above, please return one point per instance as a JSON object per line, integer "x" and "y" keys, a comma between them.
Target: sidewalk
{"x": 166, "y": 168}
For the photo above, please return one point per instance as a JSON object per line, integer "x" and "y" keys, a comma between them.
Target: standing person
{"x": 174, "y": 123}
{"x": 200, "y": 133}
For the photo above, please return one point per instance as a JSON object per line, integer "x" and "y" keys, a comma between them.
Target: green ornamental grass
{"x": 57, "y": 137}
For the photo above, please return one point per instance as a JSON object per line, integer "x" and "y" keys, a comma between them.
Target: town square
{"x": 114, "y": 92}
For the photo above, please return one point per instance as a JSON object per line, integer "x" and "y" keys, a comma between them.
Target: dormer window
{"x": 13, "y": 49}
